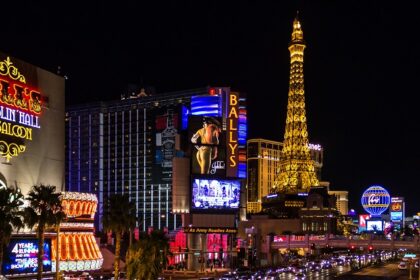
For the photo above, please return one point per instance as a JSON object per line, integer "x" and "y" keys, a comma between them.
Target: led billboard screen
{"x": 396, "y": 216}
{"x": 208, "y": 148}
{"x": 362, "y": 220}
{"x": 374, "y": 225}
{"x": 208, "y": 105}
{"x": 166, "y": 126}
{"x": 215, "y": 194}
{"x": 20, "y": 256}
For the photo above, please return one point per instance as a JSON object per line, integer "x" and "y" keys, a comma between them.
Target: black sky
{"x": 361, "y": 69}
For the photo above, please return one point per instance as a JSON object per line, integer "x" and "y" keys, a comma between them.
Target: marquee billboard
{"x": 31, "y": 125}
{"x": 166, "y": 127}
{"x": 215, "y": 194}
{"x": 21, "y": 257}
{"x": 208, "y": 146}
{"x": 396, "y": 209}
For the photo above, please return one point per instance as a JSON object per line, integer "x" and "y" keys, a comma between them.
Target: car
{"x": 326, "y": 265}
{"x": 288, "y": 269}
{"x": 340, "y": 262}
{"x": 272, "y": 275}
{"x": 315, "y": 267}
{"x": 402, "y": 265}
{"x": 227, "y": 276}
{"x": 300, "y": 276}
{"x": 298, "y": 269}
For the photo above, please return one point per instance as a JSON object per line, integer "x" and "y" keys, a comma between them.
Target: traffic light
{"x": 370, "y": 248}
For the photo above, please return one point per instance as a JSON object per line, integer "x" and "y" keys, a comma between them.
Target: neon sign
{"x": 20, "y": 107}
{"x": 232, "y": 139}
{"x": 315, "y": 147}
{"x": 375, "y": 200}
{"x": 396, "y": 206}
{"x": 78, "y": 250}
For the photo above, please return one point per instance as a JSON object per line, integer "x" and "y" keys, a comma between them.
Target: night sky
{"x": 361, "y": 69}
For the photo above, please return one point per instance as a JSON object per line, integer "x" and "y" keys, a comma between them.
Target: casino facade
{"x": 32, "y": 134}
{"x": 31, "y": 125}
{"x": 180, "y": 156}
{"x": 129, "y": 146}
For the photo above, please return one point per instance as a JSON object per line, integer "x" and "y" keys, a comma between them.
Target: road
{"x": 324, "y": 274}
{"x": 388, "y": 271}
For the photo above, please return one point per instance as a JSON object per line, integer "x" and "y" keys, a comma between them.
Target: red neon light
{"x": 20, "y": 96}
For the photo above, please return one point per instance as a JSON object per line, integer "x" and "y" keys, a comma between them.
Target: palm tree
{"x": 149, "y": 256}
{"x": 119, "y": 217}
{"x": 11, "y": 217}
{"x": 44, "y": 211}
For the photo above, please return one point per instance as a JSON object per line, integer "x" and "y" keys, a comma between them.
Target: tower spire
{"x": 296, "y": 171}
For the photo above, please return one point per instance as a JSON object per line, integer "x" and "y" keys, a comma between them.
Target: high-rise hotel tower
{"x": 127, "y": 146}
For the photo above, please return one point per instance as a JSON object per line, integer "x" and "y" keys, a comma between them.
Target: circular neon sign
{"x": 375, "y": 200}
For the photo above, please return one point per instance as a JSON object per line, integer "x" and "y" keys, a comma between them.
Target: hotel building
{"x": 128, "y": 146}
{"x": 263, "y": 163}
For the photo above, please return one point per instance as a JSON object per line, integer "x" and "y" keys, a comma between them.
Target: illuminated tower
{"x": 296, "y": 171}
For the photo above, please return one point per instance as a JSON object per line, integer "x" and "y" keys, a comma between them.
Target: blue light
{"x": 22, "y": 263}
{"x": 242, "y": 126}
{"x": 184, "y": 117}
{"x": 375, "y": 200}
{"x": 208, "y": 105}
{"x": 242, "y": 170}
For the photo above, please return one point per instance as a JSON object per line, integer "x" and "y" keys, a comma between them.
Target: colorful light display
{"x": 375, "y": 200}
{"x": 22, "y": 257}
{"x": 206, "y": 105}
{"x": 374, "y": 225}
{"x": 215, "y": 194}
{"x": 362, "y": 220}
{"x": 78, "y": 250}
{"x": 20, "y": 106}
{"x": 232, "y": 137}
{"x": 296, "y": 168}
{"x": 397, "y": 209}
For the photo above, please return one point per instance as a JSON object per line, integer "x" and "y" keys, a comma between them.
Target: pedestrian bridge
{"x": 322, "y": 241}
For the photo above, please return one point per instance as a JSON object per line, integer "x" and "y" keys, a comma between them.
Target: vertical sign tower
{"x": 296, "y": 169}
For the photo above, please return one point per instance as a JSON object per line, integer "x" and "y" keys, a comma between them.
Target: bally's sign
{"x": 232, "y": 137}
{"x": 20, "y": 107}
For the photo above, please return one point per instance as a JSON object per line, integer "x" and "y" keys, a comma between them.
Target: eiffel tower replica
{"x": 296, "y": 172}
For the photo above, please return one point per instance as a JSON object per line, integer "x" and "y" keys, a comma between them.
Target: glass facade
{"x": 127, "y": 146}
